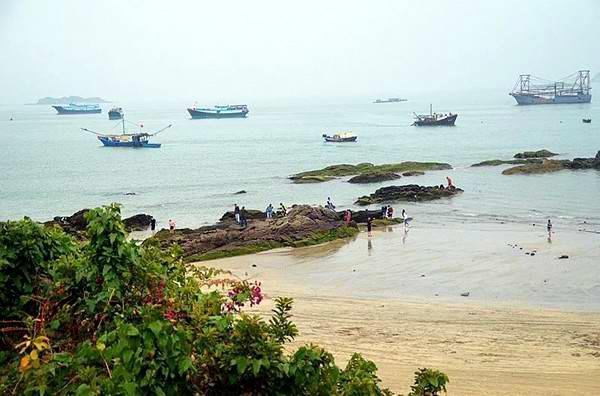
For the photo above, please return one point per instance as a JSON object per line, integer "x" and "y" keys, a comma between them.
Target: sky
{"x": 268, "y": 49}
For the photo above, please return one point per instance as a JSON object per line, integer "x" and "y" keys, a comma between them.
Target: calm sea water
{"x": 50, "y": 167}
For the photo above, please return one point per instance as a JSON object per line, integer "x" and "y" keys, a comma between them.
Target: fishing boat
{"x": 434, "y": 119}
{"x": 531, "y": 90}
{"x": 340, "y": 137}
{"x": 390, "y": 100}
{"x": 219, "y": 111}
{"x": 116, "y": 113}
{"x": 136, "y": 140}
{"x": 74, "y": 108}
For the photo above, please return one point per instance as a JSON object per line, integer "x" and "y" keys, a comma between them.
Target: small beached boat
{"x": 219, "y": 111}
{"x": 116, "y": 113}
{"x": 78, "y": 109}
{"x": 434, "y": 119}
{"x": 136, "y": 140}
{"x": 340, "y": 137}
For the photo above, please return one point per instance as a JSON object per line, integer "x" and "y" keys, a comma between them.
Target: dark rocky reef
{"x": 76, "y": 223}
{"x": 548, "y": 166}
{"x": 413, "y": 173}
{"x": 374, "y": 177}
{"x": 535, "y": 154}
{"x": 304, "y": 225}
{"x": 409, "y": 192}
{"x": 341, "y": 170}
{"x": 497, "y": 162}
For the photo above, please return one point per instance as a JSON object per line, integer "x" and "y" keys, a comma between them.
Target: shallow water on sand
{"x": 50, "y": 167}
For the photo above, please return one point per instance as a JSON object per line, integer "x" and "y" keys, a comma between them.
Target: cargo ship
{"x": 434, "y": 119}
{"x": 78, "y": 109}
{"x": 227, "y": 111}
{"x": 531, "y": 90}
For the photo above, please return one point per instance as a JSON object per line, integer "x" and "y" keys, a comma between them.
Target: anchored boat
{"x": 136, "y": 140}
{"x": 227, "y": 111}
{"x": 116, "y": 113}
{"x": 434, "y": 119}
{"x": 530, "y": 90}
{"x": 340, "y": 137}
{"x": 390, "y": 100}
{"x": 78, "y": 109}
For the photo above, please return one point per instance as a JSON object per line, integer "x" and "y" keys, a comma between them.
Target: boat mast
{"x": 123, "y": 122}
{"x": 430, "y": 109}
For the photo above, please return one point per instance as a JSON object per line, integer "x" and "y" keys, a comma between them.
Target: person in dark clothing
{"x": 369, "y": 225}
{"x": 283, "y": 209}
{"x": 152, "y": 224}
{"x": 384, "y": 211}
{"x": 243, "y": 217}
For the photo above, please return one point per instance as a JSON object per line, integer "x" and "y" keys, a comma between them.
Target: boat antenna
{"x": 123, "y": 122}
{"x": 430, "y": 109}
{"x": 90, "y": 131}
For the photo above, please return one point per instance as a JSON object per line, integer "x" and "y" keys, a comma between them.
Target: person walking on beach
{"x": 369, "y": 226}
{"x": 269, "y": 211}
{"x": 390, "y": 212}
{"x": 549, "y": 228}
{"x": 236, "y": 212}
{"x": 243, "y": 217}
{"x": 172, "y": 226}
{"x": 404, "y": 218}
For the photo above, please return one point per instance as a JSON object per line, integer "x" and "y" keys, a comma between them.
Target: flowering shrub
{"x": 107, "y": 316}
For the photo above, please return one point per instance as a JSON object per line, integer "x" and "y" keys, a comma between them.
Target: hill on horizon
{"x": 48, "y": 100}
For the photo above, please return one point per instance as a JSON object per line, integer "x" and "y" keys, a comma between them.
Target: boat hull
{"x": 114, "y": 115}
{"x": 340, "y": 140}
{"x": 446, "y": 121}
{"x": 523, "y": 99}
{"x": 61, "y": 110}
{"x": 199, "y": 114}
{"x": 111, "y": 143}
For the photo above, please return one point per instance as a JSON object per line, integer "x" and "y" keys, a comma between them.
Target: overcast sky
{"x": 192, "y": 50}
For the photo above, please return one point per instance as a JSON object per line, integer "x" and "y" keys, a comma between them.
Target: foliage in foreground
{"x": 110, "y": 317}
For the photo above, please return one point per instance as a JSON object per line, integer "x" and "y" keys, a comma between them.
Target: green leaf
{"x": 155, "y": 327}
{"x": 242, "y": 363}
{"x": 256, "y": 367}
{"x": 185, "y": 364}
{"x": 133, "y": 331}
{"x": 83, "y": 390}
{"x": 129, "y": 388}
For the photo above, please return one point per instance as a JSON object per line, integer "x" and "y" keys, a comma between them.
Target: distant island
{"x": 69, "y": 99}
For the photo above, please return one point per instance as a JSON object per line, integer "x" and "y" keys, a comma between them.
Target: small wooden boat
{"x": 340, "y": 137}
{"x": 136, "y": 140}
{"x": 587, "y": 120}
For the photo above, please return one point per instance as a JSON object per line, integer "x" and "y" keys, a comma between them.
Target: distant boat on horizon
{"x": 116, "y": 113}
{"x": 390, "y": 100}
{"x": 340, "y": 137}
{"x": 74, "y": 108}
{"x": 531, "y": 90}
{"x": 219, "y": 111}
{"x": 434, "y": 119}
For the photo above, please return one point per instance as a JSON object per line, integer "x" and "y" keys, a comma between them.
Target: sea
{"x": 50, "y": 167}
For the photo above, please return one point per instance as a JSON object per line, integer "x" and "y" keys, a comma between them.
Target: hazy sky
{"x": 240, "y": 50}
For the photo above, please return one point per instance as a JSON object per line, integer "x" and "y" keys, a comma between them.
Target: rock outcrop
{"x": 497, "y": 162}
{"x": 548, "y": 166}
{"x": 413, "y": 173}
{"x": 410, "y": 192}
{"x": 374, "y": 177}
{"x": 361, "y": 216}
{"x": 304, "y": 225}
{"x": 76, "y": 223}
{"x": 341, "y": 170}
{"x": 535, "y": 154}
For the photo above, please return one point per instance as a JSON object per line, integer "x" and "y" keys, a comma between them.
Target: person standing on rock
{"x": 269, "y": 211}
{"x": 369, "y": 226}
{"x": 450, "y": 183}
{"x": 172, "y": 226}
{"x": 153, "y": 225}
{"x": 283, "y": 209}
{"x": 329, "y": 204}
{"x": 236, "y": 212}
{"x": 244, "y": 217}
{"x": 347, "y": 217}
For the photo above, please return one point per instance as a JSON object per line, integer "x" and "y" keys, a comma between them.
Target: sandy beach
{"x": 530, "y": 325}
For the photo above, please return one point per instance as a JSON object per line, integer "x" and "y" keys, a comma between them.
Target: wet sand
{"x": 530, "y": 326}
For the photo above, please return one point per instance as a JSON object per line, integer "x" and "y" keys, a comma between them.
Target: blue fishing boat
{"x": 227, "y": 111}
{"x": 116, "y": 113}
{"x": 78, "y": 109}
{"x": 135, "y": 140}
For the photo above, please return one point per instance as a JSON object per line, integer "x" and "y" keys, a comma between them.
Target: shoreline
{"x": 491, "y": 343}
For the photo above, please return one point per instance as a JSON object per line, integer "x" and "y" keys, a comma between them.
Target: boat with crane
{"x": 135, "y": 140}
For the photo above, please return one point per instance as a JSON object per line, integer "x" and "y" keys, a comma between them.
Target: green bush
{"x": 429, "y": 382}
{"x": 107, "y": 316}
